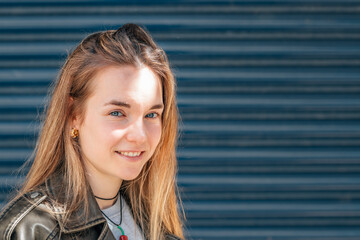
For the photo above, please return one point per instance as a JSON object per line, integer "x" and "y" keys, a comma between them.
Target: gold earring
{"x": 74, "y": 133}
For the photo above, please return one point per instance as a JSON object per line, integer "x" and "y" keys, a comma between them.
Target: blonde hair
{"x": 153, "y": 193}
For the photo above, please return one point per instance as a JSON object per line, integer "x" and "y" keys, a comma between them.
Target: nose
{"x": 136, "y": 132}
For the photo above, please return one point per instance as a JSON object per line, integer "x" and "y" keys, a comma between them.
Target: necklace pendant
{"x": 123, "y": 237}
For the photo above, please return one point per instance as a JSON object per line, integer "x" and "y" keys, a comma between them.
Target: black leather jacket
{"x": 24, "y": 218}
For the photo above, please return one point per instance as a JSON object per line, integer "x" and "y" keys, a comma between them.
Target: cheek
{"x": 155, "y": 134}
{"x": 94, "y": 132}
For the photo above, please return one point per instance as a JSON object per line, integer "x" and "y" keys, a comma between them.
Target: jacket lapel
{"x": 77, "y": 221}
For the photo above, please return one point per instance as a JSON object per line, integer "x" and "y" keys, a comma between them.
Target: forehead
{"x": 127, "y": 83}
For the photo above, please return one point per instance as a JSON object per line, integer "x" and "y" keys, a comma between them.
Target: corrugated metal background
{"x": 269, "y": 96}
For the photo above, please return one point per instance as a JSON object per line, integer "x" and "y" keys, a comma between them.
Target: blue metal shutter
{"x": 268, "y": 93}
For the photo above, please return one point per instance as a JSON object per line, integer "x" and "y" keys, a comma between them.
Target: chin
{"x": 130, "y": 175}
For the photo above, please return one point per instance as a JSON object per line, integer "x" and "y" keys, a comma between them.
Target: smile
{"x": 130, "y": 154}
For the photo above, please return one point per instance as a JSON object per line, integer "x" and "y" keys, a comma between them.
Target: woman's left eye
{"x": 152, "y": 115}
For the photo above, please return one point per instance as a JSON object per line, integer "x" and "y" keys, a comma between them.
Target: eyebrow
{"x": 157, "y": 106}
{"x": 118, "y": 103}
{"x": 124, "y": 104}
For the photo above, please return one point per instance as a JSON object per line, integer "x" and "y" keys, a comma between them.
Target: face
{"x": 122, "y": 124}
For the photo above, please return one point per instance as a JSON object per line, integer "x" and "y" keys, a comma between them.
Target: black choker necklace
{"x": 107, "y": 198}
{"x": 123, "y": 236}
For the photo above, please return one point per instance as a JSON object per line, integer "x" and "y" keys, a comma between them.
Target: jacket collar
{"x": 54, "y": 188}
{"x": 77, "y": 221}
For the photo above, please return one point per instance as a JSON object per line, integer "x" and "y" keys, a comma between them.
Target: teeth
{"x": 130, "y": 154}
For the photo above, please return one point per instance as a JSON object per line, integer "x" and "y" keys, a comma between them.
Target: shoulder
{"x": 27, "y": 217}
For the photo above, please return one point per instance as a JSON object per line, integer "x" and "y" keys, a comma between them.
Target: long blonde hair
{"x": 153, "y": 193}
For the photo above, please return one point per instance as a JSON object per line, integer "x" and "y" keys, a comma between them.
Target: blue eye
{"x": 116, "y": 114}
{"x": 152, "y": 115}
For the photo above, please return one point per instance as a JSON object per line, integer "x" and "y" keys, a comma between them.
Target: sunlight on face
{"x": 122, "y": 122}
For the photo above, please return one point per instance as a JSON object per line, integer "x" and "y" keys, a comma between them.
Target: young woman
{"x": 105, "y": 164}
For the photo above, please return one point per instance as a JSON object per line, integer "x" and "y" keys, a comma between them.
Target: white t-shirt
{"x": 130, "y": 228}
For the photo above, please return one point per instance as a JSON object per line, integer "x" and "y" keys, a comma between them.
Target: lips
{"x": 131, "y": 155}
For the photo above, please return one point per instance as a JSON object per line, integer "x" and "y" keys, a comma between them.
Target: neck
{"x": 104, "y": 186}
{"x": 104, "y": 191}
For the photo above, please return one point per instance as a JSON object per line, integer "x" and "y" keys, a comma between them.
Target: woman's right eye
{"x": 116, "y": 114}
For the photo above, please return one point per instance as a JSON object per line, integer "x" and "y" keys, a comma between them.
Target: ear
{"x": 74, "y": 119}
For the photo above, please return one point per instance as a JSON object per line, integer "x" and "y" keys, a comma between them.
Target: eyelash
{"x": 157, "y": 115}
{"x": 111, "y": 114}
